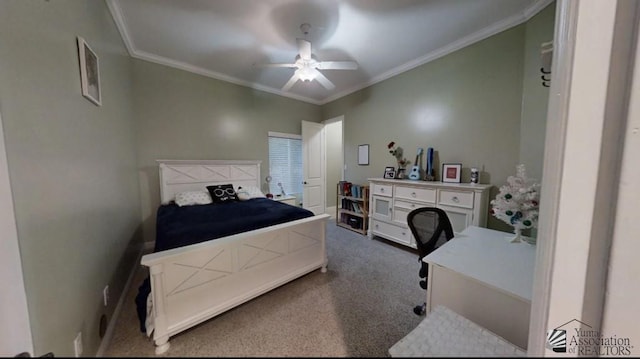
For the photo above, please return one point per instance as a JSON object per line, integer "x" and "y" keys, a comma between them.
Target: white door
{"x": 15, "y": 331}
{"x": 313, "y": 166}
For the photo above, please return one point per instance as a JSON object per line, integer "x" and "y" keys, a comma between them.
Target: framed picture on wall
{"x": 89, "y": 72}
{"x": 390, "y": 172}
{"x": 363, "y": 155}
{"x": 451, "y": 172}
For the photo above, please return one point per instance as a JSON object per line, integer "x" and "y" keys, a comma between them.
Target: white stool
{"x": 446, "y": 333}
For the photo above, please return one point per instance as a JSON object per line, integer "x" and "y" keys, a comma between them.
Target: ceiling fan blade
{"x": 276, "y": 65}
{"x": 323, "y": 80}
{"x": 338, "y": 65}
{"x": 304, "y": 48}
{"x": 291, "y": 81}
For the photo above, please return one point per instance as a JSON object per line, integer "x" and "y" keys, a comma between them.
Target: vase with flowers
{"x": 398, "y": 153}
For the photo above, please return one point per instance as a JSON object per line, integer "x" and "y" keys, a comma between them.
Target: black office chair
{"x": 431, "y": 228}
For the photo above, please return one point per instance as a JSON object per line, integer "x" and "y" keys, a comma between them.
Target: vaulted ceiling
{"x": 230, "y": 40}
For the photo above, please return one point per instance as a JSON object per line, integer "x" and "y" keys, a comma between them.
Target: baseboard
{"x": 147, "y": 247}
{"x": 106, "y": 340}
{"x": 330, "y": 211}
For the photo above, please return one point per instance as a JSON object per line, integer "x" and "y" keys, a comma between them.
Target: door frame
{"x": 15, "y": 330}
{"x": 585, "y": 113}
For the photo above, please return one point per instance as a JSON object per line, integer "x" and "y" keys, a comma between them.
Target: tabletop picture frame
{"x": 363, "y": 155}
{"x": 389, "y": 172}
{"x": 89, "y": 72}
{"x": 451, "y": 172}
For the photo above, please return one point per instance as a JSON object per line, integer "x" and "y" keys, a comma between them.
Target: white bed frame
{"x": 192, "y": 284}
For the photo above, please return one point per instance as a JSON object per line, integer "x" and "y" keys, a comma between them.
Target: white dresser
{"x": 390, "y": 201}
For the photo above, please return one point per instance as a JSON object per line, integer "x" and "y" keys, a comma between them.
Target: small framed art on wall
{"x": 89, "y": 72}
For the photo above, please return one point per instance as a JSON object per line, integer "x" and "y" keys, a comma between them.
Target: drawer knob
{"x": 413, "y": 194}
{"x": 455, "y": 199}
{"x": 404, "y": 233}
{"x": 376, "y": 226}
{"x": 413, "y": 206}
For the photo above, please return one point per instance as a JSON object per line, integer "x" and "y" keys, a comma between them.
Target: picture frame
{"x": 363, "y": 155}
{"x": 451, "y": 172}
{"x": 389, "y": 172}
{"x": 89, "y": 72}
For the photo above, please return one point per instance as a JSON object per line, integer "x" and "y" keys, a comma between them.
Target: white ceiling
{"x": 223, "y": 39}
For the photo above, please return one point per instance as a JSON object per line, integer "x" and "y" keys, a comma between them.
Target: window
{"x": 285, "y": 163}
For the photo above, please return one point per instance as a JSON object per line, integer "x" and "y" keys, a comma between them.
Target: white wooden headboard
{"x": 192, "y": 175}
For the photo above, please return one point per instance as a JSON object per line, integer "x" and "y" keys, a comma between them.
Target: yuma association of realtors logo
{"x": 557, "y": 340}
{"x": 585, "y": 341}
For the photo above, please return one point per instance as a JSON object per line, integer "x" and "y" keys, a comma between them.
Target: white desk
{"x": 480, "y": 275}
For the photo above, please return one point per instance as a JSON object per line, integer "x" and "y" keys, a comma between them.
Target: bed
{"x": 200, "y": 279}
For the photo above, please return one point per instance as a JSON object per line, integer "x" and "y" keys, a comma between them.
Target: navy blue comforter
{"x": 181, "y": 226}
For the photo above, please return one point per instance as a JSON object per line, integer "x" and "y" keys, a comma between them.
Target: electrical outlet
{"x": 105, "y": 295}
{"x": 77, "y": 345}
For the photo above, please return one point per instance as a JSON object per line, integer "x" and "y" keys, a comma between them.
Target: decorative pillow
{"x": 190, "y": 198}
{"x": 222, "y": 193}
{"x": 251, "y": 191}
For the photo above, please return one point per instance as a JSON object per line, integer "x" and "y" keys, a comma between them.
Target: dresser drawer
{"x": 382, "y": 189}
{"x": 416, "y": 194}
{"x": 397, "y": 233}
{"x": 400, "y": 215}
{"x": 456, "y": 198}
{"x": 410, "y": 206}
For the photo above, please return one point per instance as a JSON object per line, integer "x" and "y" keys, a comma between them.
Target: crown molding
{"x": 535, "y": 8}
{"x": 480, "y": 35}
{"x": 484, "y": 33}
{"x": 142, "y": 55}
{"x": 118, "y": 18}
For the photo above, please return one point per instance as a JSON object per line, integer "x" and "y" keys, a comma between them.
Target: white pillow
{"x": 243, "y": 194}
{"x": 248, "y": 192}
{"x": 190, "y": 198}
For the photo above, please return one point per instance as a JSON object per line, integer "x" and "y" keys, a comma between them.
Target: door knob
{"x": 305, "y": 182}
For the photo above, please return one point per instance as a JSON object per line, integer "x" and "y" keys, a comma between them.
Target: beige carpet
{"x": 359, "y": 308}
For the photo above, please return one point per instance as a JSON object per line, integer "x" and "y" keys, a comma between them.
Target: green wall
{"x": 535, "y": 97}
{"x": 465, "y": 105}
{"x": 483, "y": 105}
{"x": 72, "y": 166}
{"x": 180, "y": 115}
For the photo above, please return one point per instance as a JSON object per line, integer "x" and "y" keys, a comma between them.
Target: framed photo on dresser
{"x": 451, "y": 172}
{"x": 390, "y": 172}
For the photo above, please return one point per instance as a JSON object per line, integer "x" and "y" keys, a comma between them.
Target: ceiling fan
{"x": 307, "y": 65}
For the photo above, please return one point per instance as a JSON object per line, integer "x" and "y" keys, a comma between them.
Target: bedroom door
{"x": 313, "y": 167}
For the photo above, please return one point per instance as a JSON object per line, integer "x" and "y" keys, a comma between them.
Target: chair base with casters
{"x": 422, "y": 308}
{"x": 431, "y": 228}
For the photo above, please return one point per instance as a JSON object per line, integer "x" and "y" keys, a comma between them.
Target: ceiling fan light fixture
{"x": 306, "y": 74}
{"x": 307, "y": 65}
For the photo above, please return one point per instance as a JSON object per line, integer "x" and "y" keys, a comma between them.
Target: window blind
{"x": 285, "y": 163}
